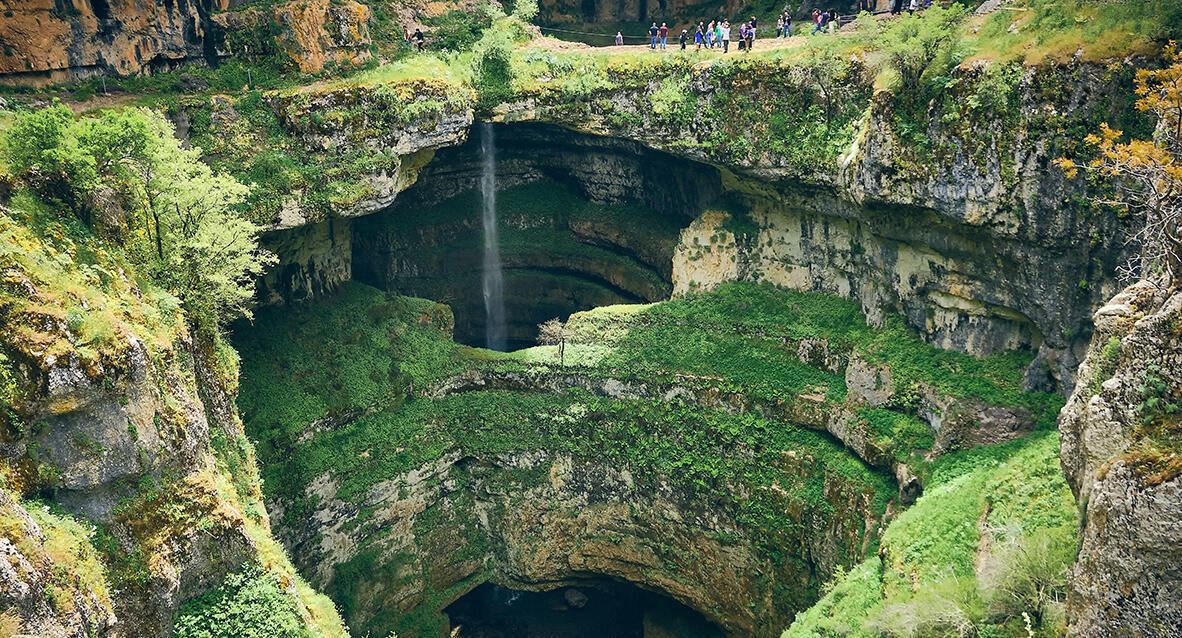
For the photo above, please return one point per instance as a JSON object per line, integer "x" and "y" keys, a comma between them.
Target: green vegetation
{"x": 740, "y": 337}
{"x": 988, "y": 542}
{"x": 357, "y": 350}
{"x": 72, "y": 565}
{"x": 743, "y": 338}
{"x": 112, "y": 235}
{"x": 251, "y": 602}
{"x": 125, "y": 175}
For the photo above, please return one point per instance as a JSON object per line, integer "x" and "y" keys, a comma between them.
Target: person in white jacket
{"x": 726, "y": 35}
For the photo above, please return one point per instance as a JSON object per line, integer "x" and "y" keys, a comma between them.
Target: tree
{"x": 1147, "y": 174}
{"x": 550, "y": 333}
{"x": 202, "y": 250}
{"x": 525, "y": 10}
{"x": 920, "y": 52}
{"x": 43, "y": 148}
{"x": 207, "y": 253}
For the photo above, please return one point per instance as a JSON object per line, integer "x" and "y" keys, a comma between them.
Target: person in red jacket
{"x": 663, "y": 32}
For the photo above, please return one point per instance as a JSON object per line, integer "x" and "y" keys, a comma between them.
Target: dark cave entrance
{"x": 583, "y": 222}
{"x": 605, "y": 609}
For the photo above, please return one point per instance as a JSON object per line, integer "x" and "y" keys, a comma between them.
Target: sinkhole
{"x": 605, "y": 609}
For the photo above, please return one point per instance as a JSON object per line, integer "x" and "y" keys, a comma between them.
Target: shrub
{"x": 249, "y": 604}
{"x": 525, "y": 10}
{"x": 492, "y": 68}
{"x": 1027, "y": 574}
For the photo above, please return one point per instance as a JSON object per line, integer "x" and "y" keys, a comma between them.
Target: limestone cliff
{"x": 123, "y": 423}
{"x": 974, "y": 238}
{"x": 46, "y": 42}
{"x": 1119, "y": 434}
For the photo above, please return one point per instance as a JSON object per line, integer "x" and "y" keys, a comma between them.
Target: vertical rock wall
{"x": 1120, "y": 454}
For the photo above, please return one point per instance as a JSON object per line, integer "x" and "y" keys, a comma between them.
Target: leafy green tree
{"x": 206, "y": 253}
{"x": 201, "y": 248}
{"x": 43, "y": 148}
{"x": 920, "y": 51}
{"x": 525, "y": 10}
{"x": 492, "y": 66}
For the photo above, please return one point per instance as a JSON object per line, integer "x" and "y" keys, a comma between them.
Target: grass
{"x": 1037, "y": 31}
{"x": 745, "y": 332}
{"x": 357, "y": 350}
{"x": 1015, "y": 487}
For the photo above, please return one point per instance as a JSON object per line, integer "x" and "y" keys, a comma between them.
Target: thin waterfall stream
{"x": 492, "y": 280}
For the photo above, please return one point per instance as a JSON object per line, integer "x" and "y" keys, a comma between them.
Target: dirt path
{"x": 761, "y": 44}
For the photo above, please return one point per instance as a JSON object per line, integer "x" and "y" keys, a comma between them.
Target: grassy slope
{"x": 744, "y": 334}
{"x": 1016, "y": 487}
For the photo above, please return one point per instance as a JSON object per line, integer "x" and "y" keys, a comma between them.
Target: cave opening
{"x": 583, "y": 222}
{"x": 602, "y": 609}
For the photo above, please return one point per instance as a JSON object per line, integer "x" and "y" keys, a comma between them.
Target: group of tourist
{"x": 910, "y": 6}
{"x": 824, "y": 21}
{"x": 712, "y": 35}
{"x": 415, "y": 39}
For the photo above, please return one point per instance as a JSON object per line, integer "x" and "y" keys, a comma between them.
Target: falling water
{"x": 492, "y": 279}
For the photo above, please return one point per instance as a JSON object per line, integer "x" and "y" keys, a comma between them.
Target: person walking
{"x": 652, "y": 34}
{"x": 683, "y": 37}
{"x": 664, "y": 33}
{"x": 698, "y": 38}
{"x": 619, "y": 39}
{"x": 725, "y": 31}
{"x": 833, "y": 21}
{"x": 710, "y": 35}
{"x": 816, "y": 21}
{"x": 419, "y": 38}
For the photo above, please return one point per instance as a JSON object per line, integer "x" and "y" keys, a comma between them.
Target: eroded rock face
{"x": 57, "y": 42}
{"x": 27, "y": 583}
{"x": 311, "y": 34}
{"x": 542, "y": 521}
{"x": 120, "y": 434}
{"x": 979, "y": 246}
{"x": 47, "y": 42}
{"x": 555, "y": 261}
{"x": 1127, "y": 580}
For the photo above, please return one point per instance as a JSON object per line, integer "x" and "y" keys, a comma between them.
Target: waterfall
{"x": 492, "y": 279}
